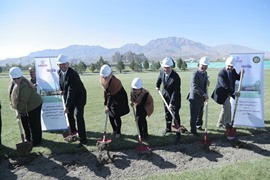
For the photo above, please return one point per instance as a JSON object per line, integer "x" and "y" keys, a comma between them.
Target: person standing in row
{"x": 224, "y": 90}
{"x": 144, "y": 104}
{"x": 0, "y": 124}
{"x": 171, "y": 92}
{"x": 198, "y": 95}
{"x": 27, "y": 103}
{"x": 115, "y": 98}
{"x": 32, "y": 74}
{"x": 74, "y": 96}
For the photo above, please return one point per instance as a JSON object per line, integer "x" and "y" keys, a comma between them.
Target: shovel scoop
{"x": 24, "y": 147}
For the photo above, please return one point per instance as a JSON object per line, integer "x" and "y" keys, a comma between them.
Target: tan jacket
{"x": 149, "y": 104}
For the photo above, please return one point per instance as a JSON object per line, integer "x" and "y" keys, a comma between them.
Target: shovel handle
{"x": 166, "y": 104}
{"x": 206, "y": 110}
{"x": 20, "y": 127}
{"x": 106, "y": 120}
{"x": 63, "y": 101}
{"x": 237, "y": 98}
{"x": 137, "y": 126}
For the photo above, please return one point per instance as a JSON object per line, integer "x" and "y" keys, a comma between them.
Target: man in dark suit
{"x": 197, "y": 95}
{"x": 171, "y": 93}
{"x": 225, "y": 89}
{"x": 74, "y": 95}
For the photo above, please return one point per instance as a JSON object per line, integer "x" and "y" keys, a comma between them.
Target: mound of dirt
{"x": 128, "y": 163}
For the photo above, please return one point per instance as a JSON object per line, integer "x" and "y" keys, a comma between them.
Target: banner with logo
{"x": 52, "y": 113}
{"x": 250, "y": 108}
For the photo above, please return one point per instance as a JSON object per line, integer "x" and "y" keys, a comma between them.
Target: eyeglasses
{"x": 16, "y": 78}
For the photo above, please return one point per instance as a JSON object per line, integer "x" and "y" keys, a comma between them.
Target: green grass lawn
{"x": 94, "y": 116}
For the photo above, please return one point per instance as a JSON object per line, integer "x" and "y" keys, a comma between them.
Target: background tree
{"x": 1, "y": 70}
{"x": 81, "y": 67}
{"x": 132, "y": 65}
{"x": 92, "y": 67}
{"x": 155, "y": 65}
{"x": 179, "y": 63}
{"x": 184, "y": 66}
{"x": 120, "y": 66}
{"x": 100, "y": 63}
{"x": 146, "y": 65}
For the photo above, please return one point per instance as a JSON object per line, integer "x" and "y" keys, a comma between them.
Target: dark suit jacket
{"x": 74, "y": 91}
{"x": 223, "y": 88}
{"x": 171, "y": 88}
{"x": 198, "y": 86}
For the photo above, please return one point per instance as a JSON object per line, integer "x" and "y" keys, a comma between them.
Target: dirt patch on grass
{"x": 128, "y": 164}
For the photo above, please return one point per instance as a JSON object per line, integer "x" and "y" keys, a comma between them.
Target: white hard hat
{"x": 15, "y": 72}
{"x": 204, "y": 61}
{"x": 62, "y": 59}
{"x": 136, "y": 83}
{"x": 230, "y": 61}
{"x": 105, "y": 70}
{"x": 167, "y": 62}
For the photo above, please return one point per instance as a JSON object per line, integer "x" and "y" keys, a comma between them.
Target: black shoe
{"x": 166, "y": 131}
{"x": 199, "y": 128}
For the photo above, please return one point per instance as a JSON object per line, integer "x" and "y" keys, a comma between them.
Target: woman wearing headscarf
{"x": 115, "y": 98}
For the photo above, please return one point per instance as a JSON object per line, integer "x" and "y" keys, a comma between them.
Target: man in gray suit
{"x": 198, "y": 95}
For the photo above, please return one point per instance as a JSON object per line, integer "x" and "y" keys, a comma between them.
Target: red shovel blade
{"x": 231, "y": 133}
{"x": 104, "y": 140}
{"x": 205, "y": 141}
{"x": 142, "y": 148}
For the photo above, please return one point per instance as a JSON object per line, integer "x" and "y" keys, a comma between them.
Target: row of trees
{"x": 134, "y": 65}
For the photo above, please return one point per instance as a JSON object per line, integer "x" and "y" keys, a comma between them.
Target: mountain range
{"x": 157, "y": 49}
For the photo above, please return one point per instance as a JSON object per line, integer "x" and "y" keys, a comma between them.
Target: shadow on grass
{"x": 5, "y": 169}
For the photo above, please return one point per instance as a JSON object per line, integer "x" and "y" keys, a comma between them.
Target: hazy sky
{"x": 33, "y": 25}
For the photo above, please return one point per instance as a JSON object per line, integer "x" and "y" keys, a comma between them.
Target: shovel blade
{"x": 142, "y": 148}
{"x": 205, "y": 141}
{"x": 104, "y": 140}
{"x": 230, "y": 133}
{"x": 24, "y": 148}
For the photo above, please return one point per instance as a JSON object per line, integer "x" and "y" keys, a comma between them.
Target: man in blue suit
{"x": 171, "y": 93}
{"x": 225, "y": 89}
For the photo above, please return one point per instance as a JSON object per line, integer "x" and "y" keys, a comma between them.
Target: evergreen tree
{"x": 145, "y": 64}
{"x": 120, "y": 66}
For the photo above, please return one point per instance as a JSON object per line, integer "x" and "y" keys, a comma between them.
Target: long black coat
{"x": 171, "y": 88}
{"x": 223, "y": 88}
{"x": 74, "y": 91}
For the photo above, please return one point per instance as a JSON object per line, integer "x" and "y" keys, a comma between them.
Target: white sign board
{"x": 250, "y": 108}
{"x": 52, "y": 113}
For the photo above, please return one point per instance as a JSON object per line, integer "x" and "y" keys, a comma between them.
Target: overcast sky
{"x": 32, "y": 25}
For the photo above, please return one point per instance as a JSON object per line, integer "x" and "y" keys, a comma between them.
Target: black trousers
{"x": 142, "y": 123}
{"x": 196, "y": 114}
{"x": 32, "y": 126}
{"x": 168, "y": 117}
{"x": 0, "y": 126}
{"x": 78, "y": 111}
{"x": 116, "y": 123}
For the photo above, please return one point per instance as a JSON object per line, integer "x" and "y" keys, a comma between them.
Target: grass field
{"x": 94, "y": 116}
